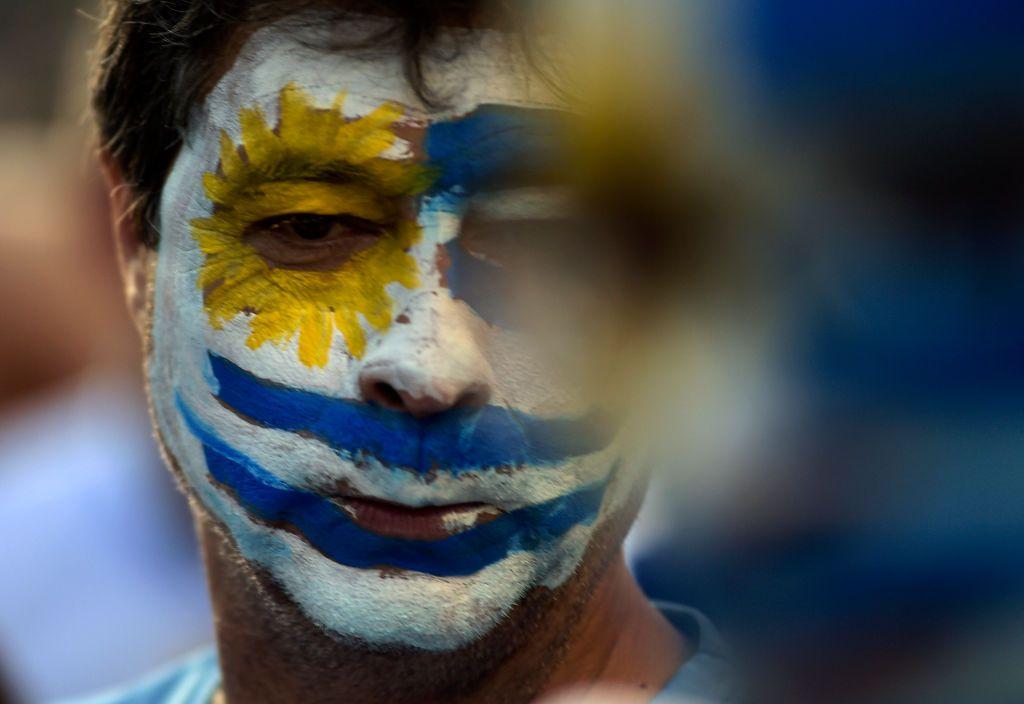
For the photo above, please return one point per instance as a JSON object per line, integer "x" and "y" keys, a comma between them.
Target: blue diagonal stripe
{"x": 331, "y": 531}
{"x": 458, "y": 440}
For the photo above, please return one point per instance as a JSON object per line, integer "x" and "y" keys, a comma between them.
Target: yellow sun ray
{"x": 273, "y": 171}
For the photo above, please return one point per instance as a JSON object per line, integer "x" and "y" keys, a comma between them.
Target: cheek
{"x": 548, "y": 329}
{"x": 560, "y": 372}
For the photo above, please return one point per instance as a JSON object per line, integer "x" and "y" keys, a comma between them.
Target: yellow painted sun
{"x": 301, "y": 166}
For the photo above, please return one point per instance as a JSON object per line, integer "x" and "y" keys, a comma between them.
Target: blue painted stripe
{"x": 330, "y": 530}
{"x": 494, "y": 146}
{"x": 457, "y": 440}
{"x": 491, "y": 144}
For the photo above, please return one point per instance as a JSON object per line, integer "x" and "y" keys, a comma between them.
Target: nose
{"x": 427, "y": 365}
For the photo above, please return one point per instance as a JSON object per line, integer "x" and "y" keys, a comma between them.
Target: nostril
{"x": 386, "y": 395}
{"x": 474, "y": 397}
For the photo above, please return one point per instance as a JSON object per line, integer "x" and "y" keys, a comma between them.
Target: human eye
{"x": 311, "y": 240}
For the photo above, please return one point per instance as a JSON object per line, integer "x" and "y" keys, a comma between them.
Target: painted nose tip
{"x": 429, "y": 399}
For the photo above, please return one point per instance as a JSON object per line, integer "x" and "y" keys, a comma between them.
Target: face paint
{"x": 458, "y": 440}
{"x": 263, "y": 342}
{"x": 328, "y": 529}
{"x": 492, "y": 146}
{"x": 318, "y": 163}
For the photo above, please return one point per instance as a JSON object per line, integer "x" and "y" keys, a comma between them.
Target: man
{"x": 383, "y": 335}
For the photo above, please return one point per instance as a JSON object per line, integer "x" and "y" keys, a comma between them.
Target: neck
{"x": 622, "y": 643}
{"x": 596, "y": 631}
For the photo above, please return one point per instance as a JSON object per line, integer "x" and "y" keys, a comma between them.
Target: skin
{"x": 591, "y": 629}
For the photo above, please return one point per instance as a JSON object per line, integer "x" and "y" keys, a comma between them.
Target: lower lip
{"x": 421, "y": 523}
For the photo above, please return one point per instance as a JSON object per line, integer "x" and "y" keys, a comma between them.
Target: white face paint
{"x": 260, "y": 373}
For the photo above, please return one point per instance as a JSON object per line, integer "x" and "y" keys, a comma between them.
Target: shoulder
{"x": 707, "y": 677}
{"x": 194, "y": 680}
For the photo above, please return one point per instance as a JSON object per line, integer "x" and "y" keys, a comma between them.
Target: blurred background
{"x": 843, "y": 494}
{"x": 101, "y": 580}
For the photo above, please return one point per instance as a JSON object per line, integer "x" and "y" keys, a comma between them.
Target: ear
{"x": 134, "y": 258}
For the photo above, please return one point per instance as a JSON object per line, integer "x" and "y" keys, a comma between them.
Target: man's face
{"x": 364, "y": 371}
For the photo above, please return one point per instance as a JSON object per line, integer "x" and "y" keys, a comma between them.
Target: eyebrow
{"x": 340, "y": 172}
{"x": 310, "y": 143}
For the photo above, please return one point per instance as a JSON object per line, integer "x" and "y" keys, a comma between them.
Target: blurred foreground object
{"x": 869, "y": 552}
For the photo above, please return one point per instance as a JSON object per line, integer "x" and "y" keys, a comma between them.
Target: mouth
{"x": 448, "y": 537}
{"x": 426, "y": 523}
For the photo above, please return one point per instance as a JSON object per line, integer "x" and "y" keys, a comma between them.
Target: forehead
{"x": 464, "y": 68}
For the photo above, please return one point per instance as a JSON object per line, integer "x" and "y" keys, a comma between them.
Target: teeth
{"x": 347, "y": 508}
{"x": 460, "y": 520}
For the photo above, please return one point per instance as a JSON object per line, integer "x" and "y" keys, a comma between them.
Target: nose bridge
{"x": 440, "y": 218}
{"x": 429, "y": 360}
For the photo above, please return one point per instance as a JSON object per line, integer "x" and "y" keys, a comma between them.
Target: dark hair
{"x": 158, "y": 58}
